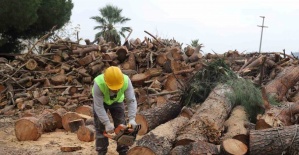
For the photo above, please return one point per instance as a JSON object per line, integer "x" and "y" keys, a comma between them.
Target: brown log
{"x": 283, "y": 82}
{"x": 195, "y": 148}
{"x": 189, "y": 51}
{"x": 96, "y": 68}
{"x": 85, "y": 109}
{"x": 121, "y": 53}
{"x": 67, "y": 117}
{"x": 70, "y": 148}
{"x": 195, "y": 57}
{"x": 48, "y": 121}
{"x": 58, "y": 79}
{"x": 56, "y": 58}
{"x": 87, "y": 49}
{"x": 109, "y": 56}
{"x": 172, "y": 83}
{"x": 207, "y": 122}
{"x": 275, "y": 141}
{"x": 237, "y": 123}
{"x": 28, "y": 128}
{"x": 233, "y": 146}
{"x": 151, "y": 118}
{"x": 86, "y": 60}
{"x": 161, "y": 59}
{"x": 165, "y": 133}
{"x": 44, "y": 100}
{"x": 86, "y": 133}
{"x": 58, "y": 117}
{"x": 75, "y": 124}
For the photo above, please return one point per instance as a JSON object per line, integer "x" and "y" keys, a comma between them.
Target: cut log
{"x": 48, "y": 121}
{"x": 31, "y": 64}
{"x": 207, "y": 122}
{"x": 58, "y": 117}
{"x": 28, "y": 128}
{"x": 151, "y": 118}
{"x": 121, "y": 53}
{"x": 58, "y": 79}
{"x": 236, "y": 124}
{"x": 75, "y": 124}
{"x": 44, "y": 100}
{"x": 160, "y": 139}
{"x": 86, "y": 60}
{"x": 86, "y": 133}
{"x": 195, "y": 148}
{"x": 283, "y": 82}
{"x": 85, "y": 109}
{"x": 67, "y": 117}
{"x": 275, "y": 141}
{"x": 233, "y": 146}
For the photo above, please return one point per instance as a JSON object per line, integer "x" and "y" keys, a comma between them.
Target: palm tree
{"x": 110, "y": 16}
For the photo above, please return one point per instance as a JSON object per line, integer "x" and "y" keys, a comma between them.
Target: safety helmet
{"x": 114, "y": 78}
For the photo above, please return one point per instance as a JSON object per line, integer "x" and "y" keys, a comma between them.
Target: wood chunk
{"x": 85, "y": 109}
{"x": 86, "y": 133}
{"x": 28, "y": 128}
{"x": 75, "y": 124}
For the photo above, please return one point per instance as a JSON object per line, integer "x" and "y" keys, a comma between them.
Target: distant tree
{"x": 109, "y": 17}
{"x": 194, "y": 43}
{"x": 27, "y": 19}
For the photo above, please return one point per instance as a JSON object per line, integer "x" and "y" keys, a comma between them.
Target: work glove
{"x": 109, "y": 128}
{"x": 133, "y": 123}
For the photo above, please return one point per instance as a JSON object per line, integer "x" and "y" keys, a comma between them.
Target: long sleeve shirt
{"x": 98, "y": 100}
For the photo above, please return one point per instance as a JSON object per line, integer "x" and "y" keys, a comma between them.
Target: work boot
{"x": 122, "y": 153}
{"x": 101, "y": 153}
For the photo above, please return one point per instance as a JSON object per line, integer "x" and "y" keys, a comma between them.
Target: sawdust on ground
{"x": 47, "y": 144}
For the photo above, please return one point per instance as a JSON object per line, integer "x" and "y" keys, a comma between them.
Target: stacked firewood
{"x": 60, "y": 80}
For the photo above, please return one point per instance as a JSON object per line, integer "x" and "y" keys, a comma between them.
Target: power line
{"x": 262, "y": 32}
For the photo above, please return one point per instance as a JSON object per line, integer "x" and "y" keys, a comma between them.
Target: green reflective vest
{"x": 99, "y": 80}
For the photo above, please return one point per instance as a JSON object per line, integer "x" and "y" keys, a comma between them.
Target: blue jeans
{"x": 117, "y": 111}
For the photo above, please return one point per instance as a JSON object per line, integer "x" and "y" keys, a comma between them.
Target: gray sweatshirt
{"x": 98, "y": 100}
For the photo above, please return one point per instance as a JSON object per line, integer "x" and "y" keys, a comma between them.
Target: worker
{"x": 110, "y": 90}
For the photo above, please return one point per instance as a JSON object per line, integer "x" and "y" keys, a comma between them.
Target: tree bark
{"x": 275, "y": 141}
{"x": 207, "y": 122}
{"x": 283, "y": 82}
{"x": 160, "y": 140}
{"x": 151, "y": 118}
{"x": 195, "y": 148}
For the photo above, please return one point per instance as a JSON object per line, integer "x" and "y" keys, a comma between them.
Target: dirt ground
{"x": 47, "y": 144}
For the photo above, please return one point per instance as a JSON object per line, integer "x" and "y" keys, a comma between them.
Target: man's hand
{"x": 133, "y": 123}
{"x": 109, "y": 128}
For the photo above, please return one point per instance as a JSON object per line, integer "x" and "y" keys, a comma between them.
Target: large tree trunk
{"x": 151, "y": 118}
{"x": 160, "y": 140}
{"x": 283, "y": 82}
{"x": 207, "y": 123}
{"x": 195, "y": 148}
{"x": 275, "y": 141}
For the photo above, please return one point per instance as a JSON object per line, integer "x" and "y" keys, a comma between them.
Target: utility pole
{"x": 262, "y": 32}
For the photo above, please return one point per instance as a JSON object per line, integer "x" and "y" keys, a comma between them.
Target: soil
{"x": 47, "y": 144}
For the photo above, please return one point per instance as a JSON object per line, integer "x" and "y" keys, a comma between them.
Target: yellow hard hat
{"x": 114, "y": 78}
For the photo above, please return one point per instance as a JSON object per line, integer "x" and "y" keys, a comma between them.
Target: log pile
{"x": 59, "y": 80}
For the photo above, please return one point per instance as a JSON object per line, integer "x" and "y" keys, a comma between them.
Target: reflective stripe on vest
{"x": 99, "y": 80}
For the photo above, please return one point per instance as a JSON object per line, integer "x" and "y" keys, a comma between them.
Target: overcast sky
{"x": 221, "y": 25}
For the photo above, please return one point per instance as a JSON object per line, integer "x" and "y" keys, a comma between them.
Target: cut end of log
{"x": 28, "y": 128}
{"x": 144, "y": 126}
{"x": 140, "y": 150}
{"x": 233, "y": 146}
{"x": 86, "y": 133}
